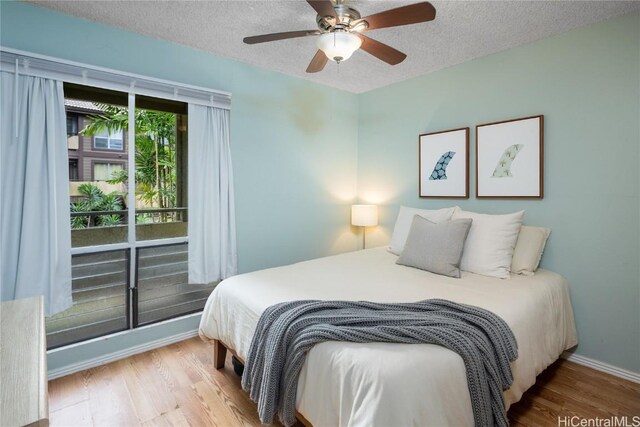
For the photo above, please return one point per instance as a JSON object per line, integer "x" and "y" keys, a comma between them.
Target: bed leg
{"x": 219, "y": 354}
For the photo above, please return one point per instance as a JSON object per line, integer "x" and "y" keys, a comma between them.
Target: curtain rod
{"x": 14, "y": 60}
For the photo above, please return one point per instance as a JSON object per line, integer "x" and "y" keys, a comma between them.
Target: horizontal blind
{"x": 12, "y": 60}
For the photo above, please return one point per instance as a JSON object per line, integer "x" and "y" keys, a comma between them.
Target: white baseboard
{"x": 117, "y": 355}
{"x": 603, "y": 367}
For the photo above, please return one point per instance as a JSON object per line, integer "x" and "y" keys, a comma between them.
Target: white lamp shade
{"x": 339, "y": 45}
{"x": 364, "y": 215}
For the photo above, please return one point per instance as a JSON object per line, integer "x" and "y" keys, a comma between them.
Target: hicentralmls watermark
{"x": 621, "y": 421}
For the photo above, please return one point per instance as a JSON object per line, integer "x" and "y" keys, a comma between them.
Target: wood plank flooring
{"x": 177, "y": 386}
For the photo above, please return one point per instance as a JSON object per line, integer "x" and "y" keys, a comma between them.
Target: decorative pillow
{"x": 490, "y": 244}
{"x": 404, "y": 220}
{"x": 529, "y": 249}
{"x": 435, "y": 247}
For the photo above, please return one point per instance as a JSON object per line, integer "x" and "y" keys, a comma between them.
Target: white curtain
{"x": 35, "y": 241}
{"x": 212, "y": 226}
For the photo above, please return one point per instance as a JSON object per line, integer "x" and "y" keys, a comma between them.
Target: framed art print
{"x": 509, "y": 159}
{"x": 444, "y": 164}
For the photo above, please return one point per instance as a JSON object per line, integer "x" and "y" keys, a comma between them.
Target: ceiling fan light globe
{"x": 339, "y": 45}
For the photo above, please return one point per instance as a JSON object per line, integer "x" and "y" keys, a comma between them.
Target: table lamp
{"x": 364, "y": 216}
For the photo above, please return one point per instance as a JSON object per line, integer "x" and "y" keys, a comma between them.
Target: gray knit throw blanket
{"x": 287, "y": 331}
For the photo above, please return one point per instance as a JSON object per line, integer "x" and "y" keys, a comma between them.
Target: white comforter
{"x": 382, "y": 384}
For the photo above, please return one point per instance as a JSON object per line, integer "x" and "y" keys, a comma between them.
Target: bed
{"x": 382, "y": 384}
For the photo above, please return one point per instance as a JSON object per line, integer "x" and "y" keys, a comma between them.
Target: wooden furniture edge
{"x": 44, "y": 380}
{"x": 23, "y": 363}
{"x": 220, "y": 353}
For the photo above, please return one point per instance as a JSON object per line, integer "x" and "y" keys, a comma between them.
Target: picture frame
{"x": 443, "y": 163}
{"x": 510, "y": 159}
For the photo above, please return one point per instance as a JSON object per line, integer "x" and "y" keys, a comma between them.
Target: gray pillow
{"x": 435, "y": 247}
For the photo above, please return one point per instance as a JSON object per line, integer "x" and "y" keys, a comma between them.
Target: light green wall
{"x": 587, "y": 84}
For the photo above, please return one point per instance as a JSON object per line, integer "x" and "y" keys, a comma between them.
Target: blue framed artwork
{"x": 443, "y": 162}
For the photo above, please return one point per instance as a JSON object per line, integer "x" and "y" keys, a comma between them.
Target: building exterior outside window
{"x": 108, "y": 141}
{"x": 104, "y": 171}
{"x": 86, "y": 152}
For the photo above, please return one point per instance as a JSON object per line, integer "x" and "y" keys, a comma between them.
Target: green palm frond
{"x": 155, "y": 162}
{"x": 109, "y": 220}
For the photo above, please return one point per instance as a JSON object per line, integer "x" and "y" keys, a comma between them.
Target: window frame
{"x": 132, "y": 244}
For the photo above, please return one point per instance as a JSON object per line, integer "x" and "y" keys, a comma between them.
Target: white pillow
{"x": 529, "y": 249}
{"x": 404, "y": 220}
{"x": 490, "y": 243}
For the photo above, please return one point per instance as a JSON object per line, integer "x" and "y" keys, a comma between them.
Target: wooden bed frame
{"x": 219, "y": 356}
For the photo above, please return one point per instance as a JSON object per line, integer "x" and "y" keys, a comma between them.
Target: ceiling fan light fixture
{"x": 339, "y": 45}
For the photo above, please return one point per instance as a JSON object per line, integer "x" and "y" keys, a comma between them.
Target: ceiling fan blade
{"x": 279, "y": 36}
{"x": 318, "y": 62}
{"x": 381, "y": 51}
{"x": 412, "y": 14}
{"x": 323, "y": 7}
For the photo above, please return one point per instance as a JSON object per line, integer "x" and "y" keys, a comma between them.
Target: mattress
{"x": 383, "y": 384}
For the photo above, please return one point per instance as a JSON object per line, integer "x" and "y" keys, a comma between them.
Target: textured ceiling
{"x": 462, "y": 30}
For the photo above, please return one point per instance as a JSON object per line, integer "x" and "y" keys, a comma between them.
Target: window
{"x": 162, "y": 289}
{"x": 124, "y": 280}
{"x": 73, "y": 170}
{"x": 100, "y": 286}
{"x": 72, "y": 125}
{"x": 105, "y": 140}
{"x": 95, "y": 203}
{"x": 105, "y": 171}
{"x": 72, "y": 132}
{"x": 161, "y": 198}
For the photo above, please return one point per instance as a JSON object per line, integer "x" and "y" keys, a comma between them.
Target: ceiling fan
{"x": 340, "y": 28}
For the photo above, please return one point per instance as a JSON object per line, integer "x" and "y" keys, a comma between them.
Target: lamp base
{"x": 364, "y": 242}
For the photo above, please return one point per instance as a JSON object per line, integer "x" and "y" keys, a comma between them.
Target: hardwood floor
{"x": 177, "y": 386}
{"x": 566, "y": 389}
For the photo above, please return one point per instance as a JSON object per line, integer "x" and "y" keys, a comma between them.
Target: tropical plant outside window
{"x": 95, "y": 200}
{"x": 156, "y": 171}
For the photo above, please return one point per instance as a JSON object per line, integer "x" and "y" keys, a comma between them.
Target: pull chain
{"x": 16, "y": 121}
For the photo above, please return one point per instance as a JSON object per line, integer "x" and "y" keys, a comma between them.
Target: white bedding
{"x": 382, "y": 384}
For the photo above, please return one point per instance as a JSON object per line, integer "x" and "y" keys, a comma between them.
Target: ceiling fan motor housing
{"x": 345, "y": 16}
